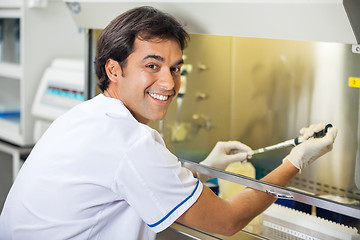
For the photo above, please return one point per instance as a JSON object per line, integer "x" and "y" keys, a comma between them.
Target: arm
{"x": 227, "y": 217}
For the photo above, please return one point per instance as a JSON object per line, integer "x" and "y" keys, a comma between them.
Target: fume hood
{"x": 308, "y": 21}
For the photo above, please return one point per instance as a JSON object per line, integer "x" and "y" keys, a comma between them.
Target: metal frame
{"x": 90, "y": 83}
{"x": 277, "y": 191}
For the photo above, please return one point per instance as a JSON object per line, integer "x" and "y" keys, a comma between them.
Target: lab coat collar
{"x": 114, "y": 108}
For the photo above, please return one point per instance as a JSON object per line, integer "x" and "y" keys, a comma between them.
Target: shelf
{"x": 10, "y": 4}
{"x": 10, "y": 70}
{"x": 10, "y": 13}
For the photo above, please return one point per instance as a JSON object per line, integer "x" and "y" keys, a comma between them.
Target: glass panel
{"x": 261, "y": 92}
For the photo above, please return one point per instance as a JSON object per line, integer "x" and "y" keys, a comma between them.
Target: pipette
{"x": 291, "y": 142}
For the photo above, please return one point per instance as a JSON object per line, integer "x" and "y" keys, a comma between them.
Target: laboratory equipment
{"x": 291, "y": 142}
{"x": 61, "y": 88}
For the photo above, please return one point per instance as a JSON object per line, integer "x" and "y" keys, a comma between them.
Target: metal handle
{"x": 279, "y": 194}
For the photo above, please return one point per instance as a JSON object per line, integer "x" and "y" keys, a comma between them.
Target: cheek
{"x": 146, "y": 79}
{"x": 137, "y": 85}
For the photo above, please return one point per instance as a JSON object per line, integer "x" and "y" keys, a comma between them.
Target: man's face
{"x": 150, "y": 79}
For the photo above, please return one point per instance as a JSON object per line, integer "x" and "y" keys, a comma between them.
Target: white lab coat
{"x": 97, "y": 173}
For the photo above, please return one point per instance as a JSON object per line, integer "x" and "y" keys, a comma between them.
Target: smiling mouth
{"x": 159, "y": 97}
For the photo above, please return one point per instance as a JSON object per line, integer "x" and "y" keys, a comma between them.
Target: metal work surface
{"x": 181, "y": 232}
{"x": 270, "y": 188}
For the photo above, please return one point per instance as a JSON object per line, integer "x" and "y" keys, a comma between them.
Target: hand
{"x": 307, "y": 152}
{"x": 225, "y": 153}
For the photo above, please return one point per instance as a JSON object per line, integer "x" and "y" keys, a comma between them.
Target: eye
{"x": 175, "y": 70}
{"x": 153, "y": 66}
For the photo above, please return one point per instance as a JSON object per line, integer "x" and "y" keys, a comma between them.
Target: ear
{"x": 113, "y": 70}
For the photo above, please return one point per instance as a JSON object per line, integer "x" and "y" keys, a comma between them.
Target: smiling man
{"x": 99, "y": 172}
{"x": 150, "y": 80}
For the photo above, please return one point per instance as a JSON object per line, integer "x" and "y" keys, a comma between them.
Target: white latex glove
{"x": 307, "y": 152}
{"x": 225, "y": 153}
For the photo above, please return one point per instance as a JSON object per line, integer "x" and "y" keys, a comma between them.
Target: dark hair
{"x": 117, "y": 39}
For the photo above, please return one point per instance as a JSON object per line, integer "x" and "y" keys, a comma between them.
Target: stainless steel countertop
{"x": 181, "y": 232}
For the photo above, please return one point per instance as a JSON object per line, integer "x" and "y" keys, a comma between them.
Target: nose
{"x": 166, "y": 80}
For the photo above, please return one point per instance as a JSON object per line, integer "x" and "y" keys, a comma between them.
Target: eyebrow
{"x": 181, "y": 61}
{"x": 156, "y": 57}
{"x": 161, "y": 59}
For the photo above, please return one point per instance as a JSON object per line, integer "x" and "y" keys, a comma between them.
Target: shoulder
{"x": 113, "y": 116}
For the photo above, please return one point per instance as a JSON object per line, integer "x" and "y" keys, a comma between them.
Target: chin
{"x": 159, "y": 117}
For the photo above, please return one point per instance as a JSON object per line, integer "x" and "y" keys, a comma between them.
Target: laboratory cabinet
{"x": 31, "y": 36}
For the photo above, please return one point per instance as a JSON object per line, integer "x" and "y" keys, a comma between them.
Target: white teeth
{"x": 159, "y": 97}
